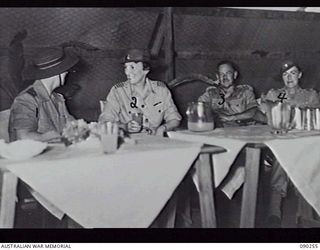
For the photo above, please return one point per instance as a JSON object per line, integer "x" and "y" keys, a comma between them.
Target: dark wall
{"x": 257, "y": 41}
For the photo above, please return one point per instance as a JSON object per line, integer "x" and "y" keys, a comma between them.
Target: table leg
{"x": 206, "y": 194}
{"x": 250, "y": 188}
{"x": 8, "y": 199}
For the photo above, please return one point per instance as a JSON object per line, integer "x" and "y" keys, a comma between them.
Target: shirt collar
{"x": 43, "y": 93}
{"x": 41, "y": 90}
{"x": 148, "y": 85}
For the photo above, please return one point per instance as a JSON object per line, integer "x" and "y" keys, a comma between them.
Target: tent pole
{"x": 169, "y": 45}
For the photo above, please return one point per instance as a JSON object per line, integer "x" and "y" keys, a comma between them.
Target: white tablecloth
{"x": 125, "y": 189}
{"x": 297, "y": 152}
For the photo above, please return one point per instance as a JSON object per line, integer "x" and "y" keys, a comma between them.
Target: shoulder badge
{"x": 32, "y": 92}
{"x": 119, "y": 85}
{"x": 245, "y": 87}
{"x": 313, "y": 91}
{"x": 213, "y": 90}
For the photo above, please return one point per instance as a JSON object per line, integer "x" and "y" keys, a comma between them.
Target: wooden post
{"x": 158, "y": 36}
{"x": 169, "y": 45}
{"x": 250, "y": 188}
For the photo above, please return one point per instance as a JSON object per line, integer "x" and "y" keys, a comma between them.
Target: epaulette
{"x": 272, "y": 89}
{"x": 245, "y": 87}
{"x": 119, "y": 85}
{"x": 32, "y": 92}
{"x": 213, "y": 89}
{"x": 273, "y": 92}
{"x": 311, "y": 90}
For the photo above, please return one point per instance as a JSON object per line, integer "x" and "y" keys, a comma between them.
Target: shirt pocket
{"x": 44, "y": 124}
{"x": 158, "y": 110}
{"x": 238, "y": 105}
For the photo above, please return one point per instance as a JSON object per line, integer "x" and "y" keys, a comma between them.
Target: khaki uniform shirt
{"x": 239, "y": 101}
{"x": 157, "y": 105}
{"x": 302, "y": 97}
{"x": 34, "y": 110}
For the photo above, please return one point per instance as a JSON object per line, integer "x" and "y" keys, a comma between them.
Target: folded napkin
{"x": 21, "y": 149}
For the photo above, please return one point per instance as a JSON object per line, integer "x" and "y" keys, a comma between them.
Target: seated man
{"x": 37, "y": 112}
{"x": 293, "y": 94}
{"x": 140, "y": 96}
{"x": 233, "y": 104}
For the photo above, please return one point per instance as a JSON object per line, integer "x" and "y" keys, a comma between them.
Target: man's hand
{"x": 160, "y": 130}
{"x": 134, "y": 127}
{"x": 263, "y": 107}
{"x": 52, "y": 136}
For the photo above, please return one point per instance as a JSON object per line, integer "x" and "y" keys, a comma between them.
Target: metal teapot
{"x": 200, "y": 116}
{"x": 280, "y": 116}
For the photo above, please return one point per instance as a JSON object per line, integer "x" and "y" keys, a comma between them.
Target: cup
{"x": 138, "y": 117}
{"x": 109, "y": 138}
{"x": 109, "y": 143}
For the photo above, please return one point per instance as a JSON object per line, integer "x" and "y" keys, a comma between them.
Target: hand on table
{"x": 160, "y": 131}
{"x": 227, "y": 118}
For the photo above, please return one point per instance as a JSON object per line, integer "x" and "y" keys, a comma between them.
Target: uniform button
{"x": 129, "y": 112}
{"x": 146, "y": 120}
{"x": 159, "y": 111}
{"x": 142, "y": 106}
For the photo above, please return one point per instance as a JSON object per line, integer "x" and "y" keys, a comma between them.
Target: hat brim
{"x": 136, "y": 61}
{"x": 33, "y": 73}
{"x": 284, "y": 70}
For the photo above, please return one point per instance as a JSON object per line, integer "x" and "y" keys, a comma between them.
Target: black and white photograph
{"x": 159, "y": 117}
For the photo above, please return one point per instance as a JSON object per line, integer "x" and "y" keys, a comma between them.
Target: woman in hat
{"x": 37, "y": 112}
{"x": 140, "y": 105}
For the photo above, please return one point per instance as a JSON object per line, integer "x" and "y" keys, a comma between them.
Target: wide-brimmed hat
{"x": 288, "y": 65}
{"x": 137, "y": 55}
{"x": 50, "y": 62}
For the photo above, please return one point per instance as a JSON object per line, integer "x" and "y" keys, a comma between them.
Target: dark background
{"x": 256, "y": 40}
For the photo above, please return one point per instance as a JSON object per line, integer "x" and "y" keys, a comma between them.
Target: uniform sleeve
{"x": 111, "y": 108}
{"x": 65, "y": 110}
{"x": 24, "y": 112}
{"x": 314, "y": 99}
{"x": 272, "y": 95}
{"x": 171, "y": 112}
{"x": 205, "y": 97}
{"x": 250, "y": 98}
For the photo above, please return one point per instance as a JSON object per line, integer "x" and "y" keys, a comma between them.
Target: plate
{"x": 21, "y": 149}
